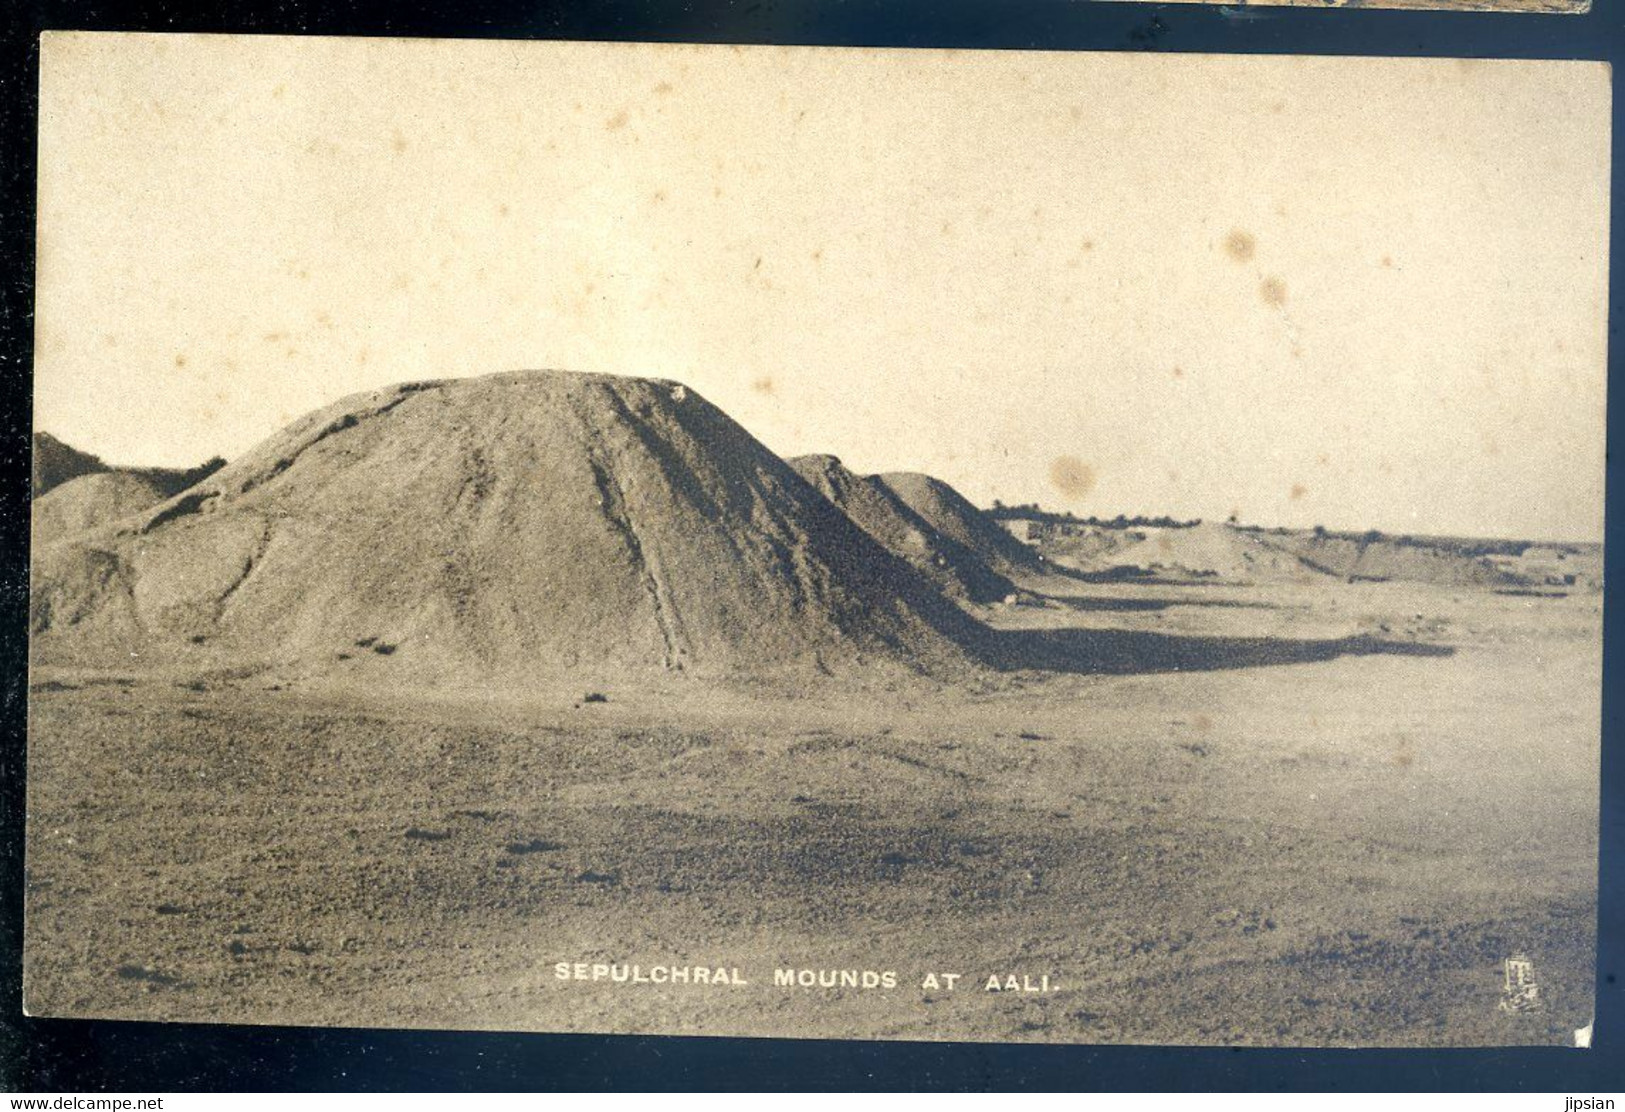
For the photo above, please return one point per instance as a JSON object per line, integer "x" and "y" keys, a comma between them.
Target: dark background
{"x": 84, "y": 1056}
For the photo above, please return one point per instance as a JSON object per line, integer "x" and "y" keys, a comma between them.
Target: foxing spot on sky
{"x": 1354, "y": 292}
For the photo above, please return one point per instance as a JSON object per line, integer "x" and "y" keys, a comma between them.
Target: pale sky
{"x": 1352, "y": 292}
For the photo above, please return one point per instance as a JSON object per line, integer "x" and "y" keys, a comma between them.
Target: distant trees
{"x": 1032, "y": 511}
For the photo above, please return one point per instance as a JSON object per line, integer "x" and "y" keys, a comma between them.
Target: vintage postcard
{"x": 811, "y": 542}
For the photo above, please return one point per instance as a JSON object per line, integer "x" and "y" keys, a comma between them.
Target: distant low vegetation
{"x": 1468, "y": 547}
{"x": 1031, "y": 511}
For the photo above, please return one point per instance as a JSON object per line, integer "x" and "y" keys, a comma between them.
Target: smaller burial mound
{"x": 953, "y": 518}
{"x": 55, "y": 463}
{"x": 956, "y": 570}
{"x": 1212, "y": 549}
{"x": 91, "y": 501}
{"x": 102, "y": 497}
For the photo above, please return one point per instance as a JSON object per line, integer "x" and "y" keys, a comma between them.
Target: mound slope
{"x": 955, "y": 569}
{"x": 953, "y": 517}
{"x": 508, "y": 528}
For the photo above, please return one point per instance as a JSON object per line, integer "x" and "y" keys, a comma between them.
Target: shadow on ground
{"x": 1128, "y": 652}
{"x": 1145, "y": 604}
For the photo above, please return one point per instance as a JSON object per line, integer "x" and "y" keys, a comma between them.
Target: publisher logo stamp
{"x": 1520, "y": 993}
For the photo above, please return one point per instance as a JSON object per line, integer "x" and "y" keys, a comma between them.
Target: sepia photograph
{"x": 795, "y": 542}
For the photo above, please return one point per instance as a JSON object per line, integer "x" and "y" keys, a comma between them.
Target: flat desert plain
{"x": 1319, "y": 813}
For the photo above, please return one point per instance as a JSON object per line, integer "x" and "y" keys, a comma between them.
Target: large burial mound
{"x": 505, "y": 529}
{"x": 105, "y": 496}
{"x": 953, "y": 517}
{"x": 877, "y": 510}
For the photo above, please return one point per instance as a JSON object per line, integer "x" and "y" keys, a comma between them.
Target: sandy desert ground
{"x": 1319, "y": 813}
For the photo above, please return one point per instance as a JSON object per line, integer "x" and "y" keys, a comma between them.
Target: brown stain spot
{"x": 399, "y": 143}
{"x": 1076, "y": 111}
{"x": 716, "y": 191}
{"x": 617, "y": 121}
{"x": 278, "y": 92}
{"x": 1388, "y": 262}
{"x": 763, "y": 385}
{"x": 180, "y": 360}
{"x": 1403, "y": 757}
{"x": 110, "y": 340}
{"x": 1203, "y": 723}
{"x": 663, "y": 89}
{"x": 361, "y": 357}
{"x": 1278, "y": 107}
{"x": 758, "y": 265}
{"x": 1088, "y": 245}
{"x": 502, "y": 210}
{"x": 1164, "y": 545}
{"x": 323, "y": 319}
{"x": 1323, "y": 459}
{"x": 818, "y": 255}
{"x": 274, "y": 337}
{"x": 659, "y": 196}
{"x": 1071, "y": 476}
{"x": 1240, "y": 245}
{"x": 1491, "y": 448}
{"x": 1273, "y": 291}
{"x": 1297, "y": 492}
{"x": 1179, "y": 372}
